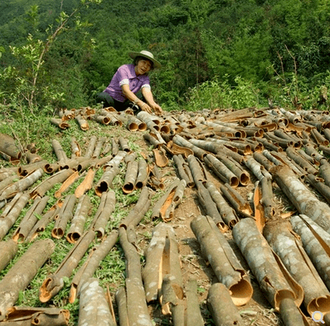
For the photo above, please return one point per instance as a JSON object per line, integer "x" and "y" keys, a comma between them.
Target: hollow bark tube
{"x": 224, "y": 262}
{"x": 130, "y": 177}
{"x": 183, "y": 170}
{"x": 21, "y": 274}
{"x": 193, "y": 314}
{"x": 223, "y": 310}
{"x": 304, "y": 201}
{"x": 273, "y": 278}
{"x": 106, "y": 180}
{"x": 8, "y": 251}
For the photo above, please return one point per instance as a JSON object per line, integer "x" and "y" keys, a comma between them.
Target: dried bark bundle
{"x": 9, "y": 148}
{"x": 21, "y": 274}
{"x": 8, "y": 251}
{"x": 30, "y": 219}
{"x": 94, "y": 306}
{"x": 271, "y": 274}
{"x": 224, "y": 262}
{"x": 49, "y": 183}
{"x": 21, "y": 185}
{"x": 26, "y": 316}
{"x": 304, "y": 201}
{"x": 11, "y": 212}
{"x": 165, "y": 206}
{"x": 137, "y": 213}
{"x": 134, "y": 303}
{"x": 54, "y": 282}
{"x": 78, "y": 220}
{"x": 103, "y": 214}
{"x": 87, "y": 270}
{"x": 222, "y": 307}
{"x": 280, "y": 236}
{"x": 63, "y": 216}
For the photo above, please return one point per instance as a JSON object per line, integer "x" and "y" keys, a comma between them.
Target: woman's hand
{"x": 158, "y": 110}
{"x": 145, "y": 107}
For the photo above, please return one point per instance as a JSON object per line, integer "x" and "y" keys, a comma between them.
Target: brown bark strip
{"x": 86, "y": 184}
{"x": 22, "y": 273}
{"x": 75, "y": 148}
{"x": 8, "y": 251}
{"x": 82, "y": 122}
{"x": 103, "y": 214}
{"x": 175, "y": 149}
{"x": 11, "y": 212}
{"x": 30, "y": 219}
{"x": 63, "y": 216}
{"x": 21, "y": 185}
{"x": 223, "y": 310}
{"x": 105, "y": 181}
{"x": 200, "y": 153}
{"x": 143, "y": 173}
{"x": 183, "y": 170}
{"x": 320, "y": 186}
{"x": 66, "y": 184}
{"x": 130, "y": 177}
{"x": 193, "y": 314}
{"x": 98, "y": 147}
{"x": 25, "y": 170}
{"x": 8, "y": 147}
{"x": 60, "y": 123}
{"x": 49, "y": 183}
{"x": 161, "y": 159}
{"x": 273, "y": 278}
{"x": 224, "y": 262}
{"x": 93, "y": 306}
{"x": 54, "y": 282}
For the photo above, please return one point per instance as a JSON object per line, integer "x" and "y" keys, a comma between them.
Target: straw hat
{"x": 145, "y": 54}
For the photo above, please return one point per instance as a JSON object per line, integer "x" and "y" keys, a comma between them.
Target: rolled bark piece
{"x": 115, "y": 161}
{"x": 7, "y": 174}
{"x": 25, "y": 316}
{"x": 222, "y": 308}
{"x": 86, "y": 184}
{"x": 200, "y": 153}
{"x": 130, "y": 177}
{"x": 93, "y": 306}
{"x": 103, "y": 214}
{"x": 11, "y": 212}
{"x": 143, "y": 173}
{"x": 193, "y": 314}
{"x": 227, "y": 213}
{"x": 25, "y": 170}
{"x": 88, "y": 269}
{"x": 161, "y": 159}
{"x": 60, "y": 123}
{"x": 21, "y": 274}
{"x": 75, "y": 148}
{"x": 51, "y": 168}
{"x": 21, "y": 185}
{"x": 325, "y": 171}
{"x": 49, "y": 183}
{"x": 291, "y": 314}
{"x": 54, "y": 282}
{"x": 105, "y": 181}
{"x": 30, "y": 219}
{"x": 98, "y": 147}
{"x": 175, "y": 149}
{"x": 320, "y": 186}
{"x": 91, "y": 147}
{"x": 221, "y": 170}
{"x": 8, "y": 251}
{"x": 139, "y": 210}
{"x": 309, "y": 168}
{"x": 8, "y": 147}
{"x": 165, "y": 206}
{"x": 123, "y": 144}
{"x": 7, "y": 182}
{"x": 257, "y": 169}
{"x": 79, "y": 218}
{"x": 66, "y": 184}
{"x": 63, "y": 216}
{"x": 295, "y": 259}
{"x": 224, "y": 262}
{"x": 82, "y": 122}
{"x": 304, "y": 201}
{"x": 137, "y": 311}
{"x": 121, "y": 300}
{"x": 271, "y": 274}
{"x": 183, "y": 170}
{"x": 197, "y": 169}
{"x": 267, "y": 199}
{"x": 59, "y": 152}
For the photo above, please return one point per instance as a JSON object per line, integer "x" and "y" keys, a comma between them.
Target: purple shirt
{"x": 126, "y": 75}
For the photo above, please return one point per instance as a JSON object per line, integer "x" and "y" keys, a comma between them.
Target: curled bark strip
{"x": 295, "y": 259}
{"x": 317, "y": 249}
{"x": 241, "y": 206}
{"x": 210, "y": 146}
{"x": 183, "y": 170}
{"x": 298, "y": 170}
{"x": 49, "y": 183}
{"x": 200, "y": 153}
{"x": 152, "y": 140}
{"x": 30, "y": 219}
{"x": 291, "y": 314}
{"x": 21, "y": 274}
{"x": 267, "y": 197}
{"x": 8, "y": 251}
{"x": 8, "y": 147}
{"x": 86, "y": 184}
{"x": 175, "y": 149}
{"x": 115, "y": 162}
{"x": 224, "y": 262}
{"x": 143, "y": 172}
{"x": 123, "y": 144}
{"x": 165, "y": 206}
{"x": 63, "y": 216}
{"x": 59, "y": 152}
{"x": 272, "y": 276}
{"x": 320, "y": 140}
{"x": 130, "y": 177}
{"x": 82, "y": 122}
{"x": 301, "y": 161}
{"x": 25, "y": 316}
{"x": 103, "y": 214}
{"x": 227, "y": 213}
{"x": 60, "y": 123}
{"x": 7, "y": 182}
{"x": 93, "y": 306}
{"x": 257, "y": 169}
{"x": 320, "y": 186}
{"x": 88, "y": 269}
{"x": 21, "y": 185}
{"x": 105, "y": 181}
{"x": 78, "y": 220}
{"x": 75, "y": 148}
{"x": 11, "y": 213}
{"x": 304, "y": 201}
{"x": 223, "y": 310}
{"x": 325, "y": 171}
{"x": 7, "y": 174}
{"x": 54, "y": 282}
{"x": 197, "y": 169}
{"x": 66, "y": 184}
{"x": 139, "y": 210}
{"x": 121, "y": 301}
{"x": 32, "y": 157}
{"x": 161, "y": 159}
{"x": 91, "y": 147}
{"x": 25, "y": 170}
{"x": 193, "y": 314}
{"x": 221, "y": 170}
{"x": 51, "y": 168}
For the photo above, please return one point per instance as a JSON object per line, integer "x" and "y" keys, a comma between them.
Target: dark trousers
{"x": 108, "y": 100}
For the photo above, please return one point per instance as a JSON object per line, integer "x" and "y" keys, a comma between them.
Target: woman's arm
{"x": 133, "y": 98}
{"x": 146, "y": 92}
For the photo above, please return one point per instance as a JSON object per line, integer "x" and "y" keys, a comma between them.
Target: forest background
{"x": 215, "y": 53}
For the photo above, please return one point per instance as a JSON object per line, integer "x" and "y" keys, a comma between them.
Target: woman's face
{"x": 143, "y": 66}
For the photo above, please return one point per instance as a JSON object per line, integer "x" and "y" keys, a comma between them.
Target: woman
{"x": 130, "y": 86}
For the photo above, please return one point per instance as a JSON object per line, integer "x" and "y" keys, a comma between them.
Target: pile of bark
{"x": 266, "y": 150}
